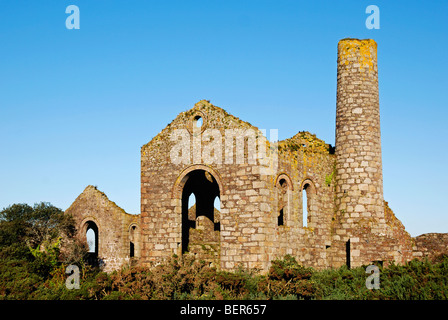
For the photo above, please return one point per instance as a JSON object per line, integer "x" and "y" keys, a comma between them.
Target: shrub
{"x": 288, "y": 269}
{"x": 416, "y": 280}
{"x": 39, "y": 273}
{"x": 287, "y": 278}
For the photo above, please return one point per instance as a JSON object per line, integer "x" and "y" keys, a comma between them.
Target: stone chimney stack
{"x": 359, "y": 180}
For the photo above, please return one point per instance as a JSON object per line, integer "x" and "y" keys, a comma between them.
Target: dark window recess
{"x": 280, "y": 218}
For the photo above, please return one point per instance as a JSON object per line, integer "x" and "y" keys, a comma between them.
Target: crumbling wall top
{"x": 306, "y": 142}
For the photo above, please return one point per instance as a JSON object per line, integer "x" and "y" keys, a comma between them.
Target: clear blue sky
{"x": 77, "y": 105}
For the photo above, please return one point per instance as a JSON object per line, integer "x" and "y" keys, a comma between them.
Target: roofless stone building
{"x": 300, "y": 196}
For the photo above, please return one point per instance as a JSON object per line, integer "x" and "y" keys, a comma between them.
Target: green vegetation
{"x": 34, "y": 256}
{"x": 329, "y": 178}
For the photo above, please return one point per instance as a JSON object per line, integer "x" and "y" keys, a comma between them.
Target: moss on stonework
{"x": 306, "y": 142}
{"x": 310, "y": 229}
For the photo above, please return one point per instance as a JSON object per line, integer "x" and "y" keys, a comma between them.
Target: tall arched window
{"x": 91, "y": 233}
{"x": 282, "y": 202}
{"x": 217, "y": 214}
{"x": 305, "y": 207}
{"x": 308, "y": 192}
{"x": 134, "y": 241}
{"x": 92, "y": 237}
{"x": 283, "y": 186}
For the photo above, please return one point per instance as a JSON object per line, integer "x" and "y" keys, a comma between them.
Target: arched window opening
{"x": 308, "y": 204}
{"x": 305, "y": 205}
{"x": 90, "y": 235}
{"x": 217, "y": 203}
{"x": 92, "y": 242}
{"x": 134, "y": 242}
{"x": 217, "y": 214}
{"x": 200, "y": 218}
{"x": 283, "y": 201}
{"x": 198, "y": 121}
{"x": 131, "y": 242}
{"x": 191, "y": 207}
{"x": 191, "y": 201}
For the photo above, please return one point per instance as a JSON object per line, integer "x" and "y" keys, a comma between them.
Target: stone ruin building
{"x": 300, "y": 196}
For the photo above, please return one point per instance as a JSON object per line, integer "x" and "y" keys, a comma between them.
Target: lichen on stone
{"x": 360, "y": 51}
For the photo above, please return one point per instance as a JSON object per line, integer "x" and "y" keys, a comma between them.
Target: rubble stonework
{"x": 261, "y": 189}
{"x": 430, "y": 245}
